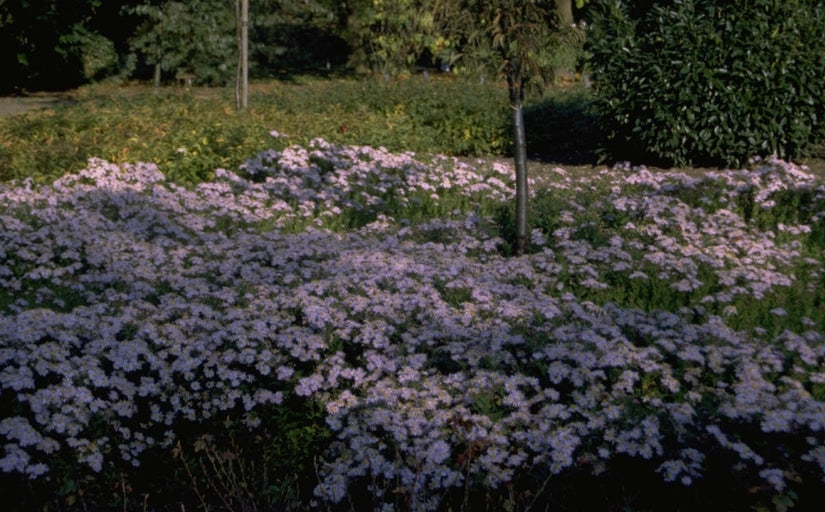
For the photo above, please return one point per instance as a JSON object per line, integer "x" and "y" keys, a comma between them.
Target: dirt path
{"x": 16, "y": 104}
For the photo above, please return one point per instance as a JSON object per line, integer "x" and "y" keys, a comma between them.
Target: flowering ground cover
{"x": 352, "y": 318}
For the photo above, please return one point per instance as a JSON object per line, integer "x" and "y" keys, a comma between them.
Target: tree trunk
{"x": 564, "y": 18}
{"x": 244, "y": 53}
{"x": 564, "y": 12}
{"x": 242, "y": 76}
{"x": 520, "y": 154}
{"x": 238, "y": 63}
{"x": 157, "y": 74}
{"x": 158, "y": 57}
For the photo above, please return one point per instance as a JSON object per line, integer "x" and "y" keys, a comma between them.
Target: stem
{"x": 123, "y": 490}
{"x": 520, "y": 155}
{"x": 238, "y": 70}
{"x": 201, "y": 497}
{"x": 244, "y": 53}
{"x": 158, "y": 58}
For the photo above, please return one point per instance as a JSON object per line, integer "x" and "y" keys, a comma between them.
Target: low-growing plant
{"x": 270, "y": 467}
{"x": 651, "y": 344}
{"x": 191, "y": 132}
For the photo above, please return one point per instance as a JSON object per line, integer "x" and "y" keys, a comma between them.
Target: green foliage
{"x": 294, "y": 35}
{"x": 220, "y": 463}
{"x": 188, "y": 138}
{"x": 196, "y": 37}
{"x": 47, "y": 43}
{"x": 522, "y": 36}
{"x": 562, "y": 122}
{"x": 466, "y": 35}
{"x": 190, "y": 133}
{"x": 97, "y": 53}
{"x": 267, "y": 469}
{"x": 393, "y": 36}
{"x": 468, "y": 118}
{"x": 691, "y": 81}
{"x": 545, "y": 209}
{"x": 199, "y": 36}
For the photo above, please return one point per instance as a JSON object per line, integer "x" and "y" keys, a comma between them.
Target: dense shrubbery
{"x": 694, "y": 81}
{"x": 563, "y": 125}
{"x": 338, "y": 323}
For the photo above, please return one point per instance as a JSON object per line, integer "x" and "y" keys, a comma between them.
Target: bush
{"x": 691, "y": 82}
{"x": 562, "y": 125}
{"x": 97, "y": 53}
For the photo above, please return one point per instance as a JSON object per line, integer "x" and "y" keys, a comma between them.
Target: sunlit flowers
{"x": 318, "y": 273}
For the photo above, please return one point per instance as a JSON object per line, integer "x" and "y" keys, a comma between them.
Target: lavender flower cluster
{"x": 674, "y": 241}
{"x": 128, "y": 301}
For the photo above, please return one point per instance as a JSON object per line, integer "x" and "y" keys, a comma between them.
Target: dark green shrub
{"x": 562, "y": 126}
{"x": 699, "y": 82}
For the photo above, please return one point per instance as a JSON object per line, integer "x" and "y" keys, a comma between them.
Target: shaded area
{"x": 563, "y": 129}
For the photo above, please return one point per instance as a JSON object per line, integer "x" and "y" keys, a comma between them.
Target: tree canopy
{"x": 50, "y": 44}
{"x": 53, "y": 44}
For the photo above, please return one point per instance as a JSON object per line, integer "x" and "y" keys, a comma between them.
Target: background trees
{"x": 286, "y": 36}
{"x": 46, "y": 44}
{"x": 395, "y": 36}
{"x": 197, "y": 36}
{"x": 53, "y": 44}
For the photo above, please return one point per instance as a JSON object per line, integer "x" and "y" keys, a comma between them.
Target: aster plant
{"x": 663, "y": 321}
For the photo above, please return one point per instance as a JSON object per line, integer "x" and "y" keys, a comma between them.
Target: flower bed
{"x": 665, "y": 318}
